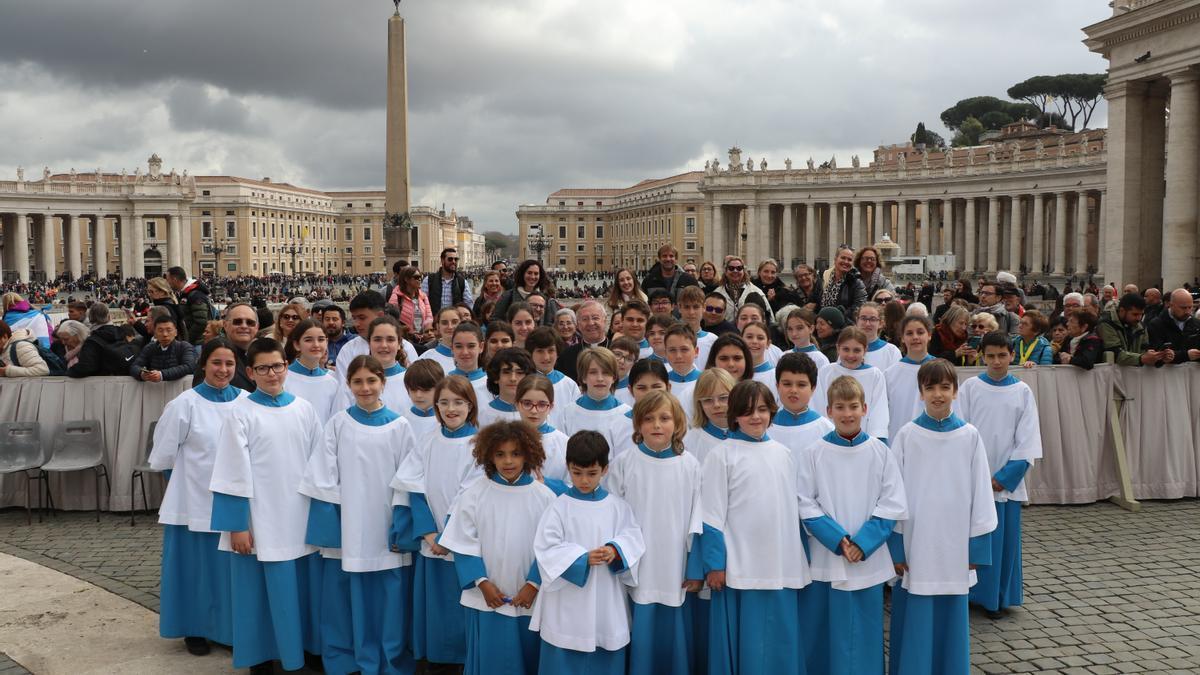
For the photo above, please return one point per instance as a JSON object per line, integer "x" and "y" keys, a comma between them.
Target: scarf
{"x": 874, "y": 282}
{"x": 833, "y": 288}
{"x": 72, "y": 355}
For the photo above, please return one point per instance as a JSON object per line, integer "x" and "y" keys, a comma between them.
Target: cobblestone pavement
{"x": 1106, "y": 591}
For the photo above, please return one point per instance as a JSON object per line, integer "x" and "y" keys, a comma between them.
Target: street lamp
{"x": 218, "y": 247}
{"x": 538, "y": 243}
{"x": 292, "y": 250}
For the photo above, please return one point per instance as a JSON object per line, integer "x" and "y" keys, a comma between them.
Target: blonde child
{"x": 598, "y": 409}
{"x": 852, "y": 349}
{"x": 881, "y": 354}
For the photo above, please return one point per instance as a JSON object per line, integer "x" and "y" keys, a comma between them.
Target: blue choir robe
{"x": 765, "y": 373}
{"x": 699, "y": 441}
{"x": 773, "y": 354}
{"x": 318, "y": 386}
{"x": 812, "y": 352}
{"x": 478, "y": 380}
{"x": 752, "y": 533}
{"x": 554, "y": 443}
{"x": 440, "y": 354}
{"x": 904, "y": 396}
{"x": 423, "y": 422}
{"x": 394, "y": 396}
{"x": 432, "y": 478}
{"x": 350, "y": 514}
{"x": 848, "y": 488}
{"x": 874, "y": 388}
{"x": 606, "y": 416}
{"x": 798, "y": 431}
{"x": 1006, "y": 415}
{"x": 195, "y": 597}
{"x": 622, "y": 392}
{"x": 565, "y": 391}
{"x": 581, "y": 613}
{"x": 624, "y": 438}
{"x": 491, "y": 532}
{"x": 262, "y": 452}
{"x": 497, "y": 410}
{"x": 663, "y": 489}
{"x": 882, "y": 354}
{"x": 944, "y": 466}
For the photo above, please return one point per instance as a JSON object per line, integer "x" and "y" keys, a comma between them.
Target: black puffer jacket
{"x": 105, "y": 352}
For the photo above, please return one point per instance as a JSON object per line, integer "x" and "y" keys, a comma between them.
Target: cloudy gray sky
{"x": 509, "y": 99}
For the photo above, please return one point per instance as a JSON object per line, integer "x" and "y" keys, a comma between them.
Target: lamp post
{"x": 218, "y": 247}
{"x": 292, "y": 250}
{"x": 538, "y": 243}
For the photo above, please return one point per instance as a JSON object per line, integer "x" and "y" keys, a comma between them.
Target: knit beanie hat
{"x": 833, "y": 316}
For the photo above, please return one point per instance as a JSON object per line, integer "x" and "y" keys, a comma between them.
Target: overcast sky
{"x": 509, "y": 99}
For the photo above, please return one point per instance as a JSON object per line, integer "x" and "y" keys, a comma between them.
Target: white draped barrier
{"x": 1160, "y": 423}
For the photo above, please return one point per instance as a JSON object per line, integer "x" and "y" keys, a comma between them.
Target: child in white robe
{"x": 419, "y": 382}
{"x": 467, "y": 345}
{"x": 944, "y": 466}
{"x": 852, "y": 346}
{"x": 731, "y": 354}
{"x": 757, "y": 338}
{"x": 544, "y": 346}
{"x": 588, "y": 546}
{"x": 851, "y": 496}
{"x": 904, "y": 397}
{"x": 384, "y": 342}
{"x": 752, "y": 312}
{"x": 306, "y": 349}
{"x": 535, "y": 401}
{"x": 432, "y": 478}
{"x": 491, "y": 532}
{"x": 647, "y": 375}
{"x": 680, "y": 344}
{"x": 350, "y": 509}
{"x": 796, "y": 425}
{"x": 691, "y": 312}
{"x": 264, "y": 446}
{"x": 504, "y": 372}
{"x": 195, "y": 596}
{"x": 661, "y": 483}
{"x": 798, "y": 326}
{"x": 881, "y": 354}
{"x": 1004, "y": 411}
{"x": 752, "y": 551}
{"x": 446, "y": 321}
{"x": 597, "y": 409}
{"x": 626, "y": 352}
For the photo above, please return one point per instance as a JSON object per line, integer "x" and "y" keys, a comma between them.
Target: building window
{"x": 599, "y": 231}
{"x": 272, "y": 230}
{"x": 206, "y": 193}
{"x": 230, "y": 229}
{"x": 205, "y": 230}
{"x": 349, "y": 205}
{"x": 367, "y": 250}
{"x": 368, "y": 205}
{"x": 562, "y": 248}
{"x": 579, "y": 248}
{"x": 581, "y": 233}
{"x": 560, "y": 203}
{"x": 253, "y": 230}
{"x": 562, "y": 231}
{"x": 229, "y": 213}
{"x": 151, "y": 229}
{"x": 689, "y": 246}
{"x": 256, "y": 266}
{"x": 690, "y": 226}
{"x": 349, "y": 234}
{"x": 562, "y": 262}
{"x": 231, "y": 267}
{"x": 366, "y": 234}
{"x": 366, "y": 220}
{"x": 206, "y": 213}
{"x": 349, "y": 250}
{"x": 581, "y": 261}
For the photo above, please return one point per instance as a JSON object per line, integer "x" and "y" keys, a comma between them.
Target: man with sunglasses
{"x": 714, "y": 320}
{"x": 446, "y": 286}
{"x": 240, "y": 326}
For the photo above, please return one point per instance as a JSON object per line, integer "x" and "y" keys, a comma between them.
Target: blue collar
{"x": 421, "y": 413}
{"x": 743, "y": 436}
{"x": 785, "y": 418}
{"x": 928, "y": 357}
{"x": 656, "y": 357}
{"x": 546, "y": 428}
{"x": 443, "y": 350}
{"x": 523, "y": 479}
{"x": 949, "y": 424}
{"x": 690, "y": 377}
{"x": 1004, "y": 382}
{"x": 472, "y": 376}
{"x": 835, "y": 438}
{"x": 211, "y": 393}
{"x": 657, "y": 454}
{"x": 593, "y": 496}
{"x": 644, "y": 344}
{"x": 763, "y": 367}
{"x": 877, "y": 344}
{"x": 299, "y": 369}
{"x": 462, "y": 432}
{"x": 263, "y": 398}
{"x": 862, "y": 366}
{"x": 374, "y": 418}
{"x": 499, "y": 404}
{"x": 555, "y": 376}
{"x": 395, "y": 370}
{"x": 623, "y": 383}
{"x": 702, "y": 334}
{"x": 805, "y": 350}
{"x": 588, "y": 403}
{"x": 715, "y": 431}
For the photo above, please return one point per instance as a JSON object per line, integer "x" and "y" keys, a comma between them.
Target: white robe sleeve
{"x": 321, "y": 479}
{"x": 170, "y": 433}
{"x": 983, "y": 506}
{"x": 629, "y": 540}
{"x": 461, "y": 534}
{"x": 806, "y": 487}
{"x": 893, "y": 502}
{"x": 410, "y": 476}
{"x": 232, "y": 474}
{"x": 715, "y": 489}
{"x": 1028, "y": 441}
{"x": 696, "y": 524}
{"x": 877, "y": 408}
{"x": 553, "y": 552}
{"x": 897, "y": 452}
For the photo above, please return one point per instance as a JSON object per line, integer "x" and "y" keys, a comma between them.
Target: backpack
{"x": 118, "y": 356}
{"x": 55, "y": 362}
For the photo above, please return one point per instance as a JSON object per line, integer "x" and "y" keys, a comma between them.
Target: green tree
{"x": 979, "y": 107}
{"x": 1073, "y": 95}
{"x": 930, "y": 139}
{"x": 968, "y": 133}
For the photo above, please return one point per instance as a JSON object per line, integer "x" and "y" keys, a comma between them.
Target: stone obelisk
{"x": 399, "y": 243}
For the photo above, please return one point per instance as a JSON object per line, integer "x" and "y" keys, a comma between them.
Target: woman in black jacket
{"x": 1084, "y": 348}
{"x": 530, "y": 277}
{"x": 841, "y": 286}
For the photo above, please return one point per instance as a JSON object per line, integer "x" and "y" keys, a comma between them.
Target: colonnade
{"x": 41, "y": 237}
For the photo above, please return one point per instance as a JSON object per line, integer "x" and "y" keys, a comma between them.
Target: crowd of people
{"x": 686, "y": 472}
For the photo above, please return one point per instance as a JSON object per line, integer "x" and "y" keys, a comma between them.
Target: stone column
{"x": 1102, "y": 215}
{"x": 20, "y": 243}
{"x": 749, "y": 248}
{"x": 100, "y": 247}
{"x": 1081, "y": 233}
{"x": 903, "y": 228}
{"x": 993, "y": 239}
{"x": 945, "y": 242}
{"x": 713, "y": 233}
{"x": 969, "y": 221}
{"x": 137, "y": 252}
{"x": 926, "y": 228}
{"x": 1017, "y": 222}
{"x": 1037, "y": 256}
{"x": 788, "y": 235}
{"x": 810, "y": 234}
{"x": 72, "y": 249}
{"x": 1126, "y": 108}
{"x": 835, "y": 230}
{"x": 880, "y": 225}
{"x": 1183, "y": 172}
{"x": 46, "y": 251}
{"x": 1060, "y": 233}
{"x": 175, "y": 241}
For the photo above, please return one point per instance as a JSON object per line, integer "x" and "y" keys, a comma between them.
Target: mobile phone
{"x": 973, "y": 341}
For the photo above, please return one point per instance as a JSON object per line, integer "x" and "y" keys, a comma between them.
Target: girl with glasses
{"x": 880, "y": 353}
{"x": 535, "y": 401}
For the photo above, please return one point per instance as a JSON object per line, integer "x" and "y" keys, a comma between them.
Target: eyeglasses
{"x": 868, "y": 319}
{"x": 530, "y": 406}
{"x": 734, "y": 268}
{"x": 712, "y": 309}
{"x": 244, "y": 322}
{"x": 289, "y": 317}
{"x": 709, "y": 400}
{"x": 452, "y": 403}
{"x": 884, "y": 299}
{"x": 273, "y": 368}
{"x": 623, "y": 357}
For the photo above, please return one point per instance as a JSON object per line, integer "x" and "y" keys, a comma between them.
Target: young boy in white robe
{"x": 597, "y": 409}
{"x": 656, "y": 335}
{"x": 661, "y": 483}
{"x": 195, "y": 598}
{"x": 944, "y": 466}
{"x": 904, "y": 397}
{"x": 625, "y": 350}
{"x": 307, "y": 378}
{"x": 751, "y": 546}
{"x": 432, "y": 478}
{"x": 350, "y": 510}
{"x": 544, "y": 346}
{"x": 505, "y": 371}
{"x": 467, "y": 345}
{"x": 443, "y": 352}
{"x": 535, "y": 401}
{"x": 691, "y": 312}
{"x": 647, "y": 375}
{"x": 635, "y": 315}
{"x": 757, "y": 337}
{"x": 752, "y": 312}
{"x": 680, "y": 344}
{"x": 851, "y": 349}
{"x": 491, "y": 532}
{"x": 1004, "y": 411}
{"x": 796, "y": 425}
{"x": 588, "y": 546}
{"x": 881, "y": 354}
{"x": 851, "y": 496}
{"x": 798, "y": 326}
{"x": 263, "y": 448}
{"x": 419, "y": 381}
